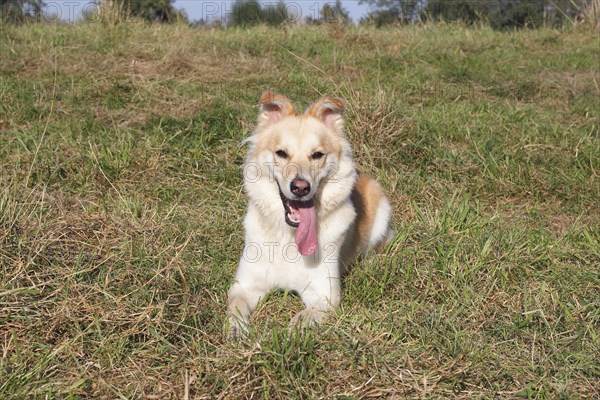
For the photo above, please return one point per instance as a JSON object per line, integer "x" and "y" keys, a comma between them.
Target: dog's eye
{"x": 316, "y": 155}
{"x": 281, "y": 153}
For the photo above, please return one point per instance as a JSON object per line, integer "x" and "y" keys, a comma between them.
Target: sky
{"x": 209, "y": 10}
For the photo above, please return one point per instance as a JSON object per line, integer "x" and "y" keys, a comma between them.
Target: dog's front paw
{"x": 308, "y": 317}
{"x": 235, "y": 328}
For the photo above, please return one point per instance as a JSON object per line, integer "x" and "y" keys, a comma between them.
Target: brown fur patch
{"x": 271, "y": 99}
{"x": 326, "y": 103}
{"x": 329, "y": 110}
{"x": 366, "y": 197}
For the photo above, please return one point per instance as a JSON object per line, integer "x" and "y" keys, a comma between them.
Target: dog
{"x": 310, "y": 212}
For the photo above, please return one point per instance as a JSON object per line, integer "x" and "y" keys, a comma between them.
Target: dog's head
{"x": 304, "y": 148}
{"x": 301, "y": 153}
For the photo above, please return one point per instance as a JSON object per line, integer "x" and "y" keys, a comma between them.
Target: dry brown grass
{"x": 120, "y": 225}
{"x": 591, "y": 13}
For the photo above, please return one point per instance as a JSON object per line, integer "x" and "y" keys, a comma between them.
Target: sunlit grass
{"x": 121, "y": 209}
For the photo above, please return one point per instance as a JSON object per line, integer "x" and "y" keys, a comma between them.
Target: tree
{"x": 275, "y": 14}
{"x": 394, "y": 11}
{"x": 249, "y": 12}
{"x": 246, "y": 13}
{"x": 468, "y": 11}
{"x": 335, "y": 14}
{"x": 330, "y": 14}
{"x": 509, "y": 14}
{"x": 20, "y": 11}
{"x": 152, "y": 10}
{"x": 506, "y": 14}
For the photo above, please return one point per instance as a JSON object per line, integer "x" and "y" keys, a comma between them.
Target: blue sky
{"x": 70, "y": 10}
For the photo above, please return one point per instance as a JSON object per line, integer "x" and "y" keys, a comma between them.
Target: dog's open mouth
{"x": 292, "y": 212}
{"x": 303, "y": 216}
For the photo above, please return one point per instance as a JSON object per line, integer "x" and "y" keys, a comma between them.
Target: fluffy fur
{"x": 352, "y": 212}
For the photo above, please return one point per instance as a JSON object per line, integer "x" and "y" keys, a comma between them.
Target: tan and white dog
{"x": 310, "y": 212}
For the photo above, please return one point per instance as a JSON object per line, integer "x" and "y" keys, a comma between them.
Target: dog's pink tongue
{"x": 306, "y": 233}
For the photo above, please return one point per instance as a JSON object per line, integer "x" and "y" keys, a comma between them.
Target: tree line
{"x": 244, "y": 13}
{"x": 22, "y": 11}
{"x": 500, "y": 14}
{"x": 251, "y": 12}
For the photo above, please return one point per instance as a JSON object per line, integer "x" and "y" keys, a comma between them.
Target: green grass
{"x": 121, "y": 212}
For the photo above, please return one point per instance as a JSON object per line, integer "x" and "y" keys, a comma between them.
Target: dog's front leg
{"x": 320, "y": 297}
{"x": 241, "y": 302}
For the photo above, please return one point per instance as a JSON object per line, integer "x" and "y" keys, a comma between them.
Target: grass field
{"x": 121, "y": 209}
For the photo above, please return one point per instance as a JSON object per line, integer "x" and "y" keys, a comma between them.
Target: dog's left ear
{"x": 330, "y": 110}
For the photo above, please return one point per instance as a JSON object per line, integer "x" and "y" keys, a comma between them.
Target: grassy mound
{"x": 121, "y": 208}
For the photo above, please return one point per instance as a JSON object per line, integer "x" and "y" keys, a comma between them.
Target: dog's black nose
{"x": 300, "y": 187}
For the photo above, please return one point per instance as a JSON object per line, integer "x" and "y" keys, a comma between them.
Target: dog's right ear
{"x": 273, "y": 107}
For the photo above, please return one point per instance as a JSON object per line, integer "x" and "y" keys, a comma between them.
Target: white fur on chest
{"x": 270, "y": 258}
